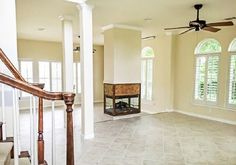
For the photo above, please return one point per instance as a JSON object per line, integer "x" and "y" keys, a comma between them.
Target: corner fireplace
{"x": 122, "y": 99}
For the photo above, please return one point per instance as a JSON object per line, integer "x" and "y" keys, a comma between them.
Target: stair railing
{"x": 36, "y": 90}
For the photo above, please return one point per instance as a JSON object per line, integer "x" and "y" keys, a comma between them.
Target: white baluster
{"x": 18, "y": 119}
{"x": 15, "y": 127}
{"x": 31, "y": 132}
{"x": 35, "y": 131}
{"x": 3, "y": 114}
{"x": 53, "y": 135}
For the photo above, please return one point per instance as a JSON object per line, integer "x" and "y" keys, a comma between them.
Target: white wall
{"x": 122, "y": 61}
{"x": 163, "y": 74}
{"x": 8, "y": 43}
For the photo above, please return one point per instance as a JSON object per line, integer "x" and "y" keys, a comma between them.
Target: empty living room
{"x": 106, "y": 82}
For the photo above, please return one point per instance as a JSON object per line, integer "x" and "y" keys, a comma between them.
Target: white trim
{"x": 231, "y": 45}
{"x": 77, "y": 1}
{"x": 213, "y": 106}
{"x": 119, "y": 26}
{"x": 206, "y": 117}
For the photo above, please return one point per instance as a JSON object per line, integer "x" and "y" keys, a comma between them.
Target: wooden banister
{"x": 28, "y": 88}
{"x": 10, "y": 66}
{"x": 69, "y": 101}
{"x": 36, "y": 89}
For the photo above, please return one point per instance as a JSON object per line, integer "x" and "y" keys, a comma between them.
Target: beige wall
{"x": 174, "y": 74}
{"x": 185, "y": 72}
{"x": 162, "y": 98}
{"x": 52, "y": 51}
{"x": 122, "y": 56}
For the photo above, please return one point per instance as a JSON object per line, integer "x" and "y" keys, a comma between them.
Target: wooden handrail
{"x": 29, "y": 88}
{"x": 10, "y": 66}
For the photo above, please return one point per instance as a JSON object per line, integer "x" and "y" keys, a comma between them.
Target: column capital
{"x": 77, "y": 1}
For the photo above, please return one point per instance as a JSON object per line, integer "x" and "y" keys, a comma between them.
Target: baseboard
{"x": 206, "y": 117}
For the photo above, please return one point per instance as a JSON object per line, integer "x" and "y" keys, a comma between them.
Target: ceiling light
{"x": 41, "y": 29}
{"x": 147, "y": 19}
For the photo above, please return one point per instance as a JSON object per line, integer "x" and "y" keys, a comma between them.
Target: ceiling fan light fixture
{"x": 199, "y": 24}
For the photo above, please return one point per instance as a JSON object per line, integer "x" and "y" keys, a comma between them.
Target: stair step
{"x": 5, "y": 153}
{"x": 22, "y": 161}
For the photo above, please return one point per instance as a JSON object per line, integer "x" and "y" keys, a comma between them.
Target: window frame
{"x": 197, "y": 54}
{"x": 50, "y": 73}
{"x": 76, "y": 72}
{"x": 33, "y": 77}
{"x": 230, "y": 53}
{"x": 146, "y": 59}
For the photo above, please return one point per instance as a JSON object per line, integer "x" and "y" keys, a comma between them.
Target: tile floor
{"x": 160, "y": 139}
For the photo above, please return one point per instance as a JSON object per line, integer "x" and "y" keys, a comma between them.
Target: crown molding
{"x": 119, "y": 26}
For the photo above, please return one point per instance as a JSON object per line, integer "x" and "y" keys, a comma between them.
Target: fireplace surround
{"x": 122, "y": 99}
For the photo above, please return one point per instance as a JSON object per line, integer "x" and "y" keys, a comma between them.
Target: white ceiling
{"x": 35, "y": 14}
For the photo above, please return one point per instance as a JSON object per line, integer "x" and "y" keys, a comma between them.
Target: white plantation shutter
{"x": 200, "y": 78}
{"x": 143, "y": 79}
{"x": 149, "y": 79}
{"x": 232, "y": 80}
{"x": 206, "y": 74}
{"x": 212, "y": 78}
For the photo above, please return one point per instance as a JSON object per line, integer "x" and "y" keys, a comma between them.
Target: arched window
{"x": 146, "y": 72}
{"x": 206, "y": 75}
{"x": 232, "y": 73}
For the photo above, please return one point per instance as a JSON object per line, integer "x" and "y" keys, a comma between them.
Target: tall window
{"x": 50, "y": 75}
{"x": 77, "y": 78}
{"x": 56, "y": 76}
{"x": 232, "y": 74}
{"x": 147, "y": 72}
{"x": 26, "y": 69}
{"x": 44, "y": 74}
{"x": 206, "y": 75}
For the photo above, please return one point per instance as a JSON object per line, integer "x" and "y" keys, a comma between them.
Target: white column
{"x": 86, "y": 60}
{"x": 8, "y": 43}
{"x": 67, "y": 53}
{"x": 86, "y": 57}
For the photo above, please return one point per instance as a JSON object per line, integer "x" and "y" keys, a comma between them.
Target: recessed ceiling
{"x": 34, "y": 14}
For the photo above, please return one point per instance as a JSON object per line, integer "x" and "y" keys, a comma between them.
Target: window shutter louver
{"x": 212, "y": 78}
{"x": 232, "y": 80}
{"x": 200, "y": 78}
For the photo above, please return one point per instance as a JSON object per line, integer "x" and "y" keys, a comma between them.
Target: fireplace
{"x": 122, "y": 99}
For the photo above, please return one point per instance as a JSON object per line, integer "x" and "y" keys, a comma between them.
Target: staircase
{"x": 10, "y": 153}
{"x": 5, "y": 155}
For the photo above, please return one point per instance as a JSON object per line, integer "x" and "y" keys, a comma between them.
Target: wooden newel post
{"x": 69, "y": 101}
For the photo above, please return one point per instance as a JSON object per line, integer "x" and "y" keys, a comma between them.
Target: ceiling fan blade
{"x": 186, "y": 31}
{"x": 183, "y": 27}
{"x": 211, "y": 29}
{"x": 230, "y": 18}
{"x": 229, "y": 23}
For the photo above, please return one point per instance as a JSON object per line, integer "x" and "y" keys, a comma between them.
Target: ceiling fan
{"x": 201, "y": 24}
{"x": 77, "y": 49}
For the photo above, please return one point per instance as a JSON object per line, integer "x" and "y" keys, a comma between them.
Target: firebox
{"x": 122, "y": 99}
